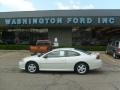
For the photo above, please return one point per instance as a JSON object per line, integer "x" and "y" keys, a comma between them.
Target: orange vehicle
{"x": 42, "y": 46}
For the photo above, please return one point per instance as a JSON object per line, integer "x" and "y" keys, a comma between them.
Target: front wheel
{"x": 81, "y": 68}
{"x": 32, "y": 67}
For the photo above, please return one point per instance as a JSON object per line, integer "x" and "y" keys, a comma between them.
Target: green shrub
{"x": 89, "y": 48}
{"x": 26, "y": 47}
{"x": 92, "y": 48}
{"x": 14, "y": 47}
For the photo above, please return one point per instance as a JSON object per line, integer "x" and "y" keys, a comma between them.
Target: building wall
{"x": 59, "y": 20}
{"x": 64, "y": 35}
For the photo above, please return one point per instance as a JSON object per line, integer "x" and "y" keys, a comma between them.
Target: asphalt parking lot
{"x": 11, "y": 78}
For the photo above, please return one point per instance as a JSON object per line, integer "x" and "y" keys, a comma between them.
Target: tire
{"x": 114, "y": 55}
{"x": 32, "y": 67}
{"x": 81, "y": 68}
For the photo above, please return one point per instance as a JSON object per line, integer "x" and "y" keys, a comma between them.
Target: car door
{"x": 54, "y": 61}
{"x": 71, "y": 58}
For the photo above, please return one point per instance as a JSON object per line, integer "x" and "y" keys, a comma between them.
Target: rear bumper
{"x": 96, "y": 64}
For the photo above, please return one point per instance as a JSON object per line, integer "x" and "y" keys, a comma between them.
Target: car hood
{"x": 35, "y": 57}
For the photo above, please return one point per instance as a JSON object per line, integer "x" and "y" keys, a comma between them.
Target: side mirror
{"x": 39, "y": 54}
{"x": 45, "y": 56}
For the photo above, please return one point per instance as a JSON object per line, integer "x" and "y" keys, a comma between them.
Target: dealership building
{"x": 70, "y": 27}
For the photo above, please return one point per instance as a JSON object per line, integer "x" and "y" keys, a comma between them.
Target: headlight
{"x": 22, "y": 60}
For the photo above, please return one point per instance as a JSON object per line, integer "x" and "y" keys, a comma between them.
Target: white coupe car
{"x": 62, "y": 59}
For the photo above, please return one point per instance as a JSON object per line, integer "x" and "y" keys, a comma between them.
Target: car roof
{"x": 64, "y": 49}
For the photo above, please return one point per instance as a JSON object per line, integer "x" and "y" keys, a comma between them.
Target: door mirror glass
{"x": 39, "y": 54}
{"x": 45, "y": 56}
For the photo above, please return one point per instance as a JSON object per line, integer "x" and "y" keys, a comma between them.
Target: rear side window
{"x": 72, "y": 53}
{"x": 86, "y": 52}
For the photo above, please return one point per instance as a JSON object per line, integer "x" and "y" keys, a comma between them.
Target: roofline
{"x": 64, "y": 10}
{"x": 62, "y": 13}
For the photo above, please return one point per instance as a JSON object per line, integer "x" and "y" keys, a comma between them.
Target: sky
{"x": 32, "y": 5}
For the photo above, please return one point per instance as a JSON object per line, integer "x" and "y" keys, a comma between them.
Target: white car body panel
{"x": 52, "y": 63}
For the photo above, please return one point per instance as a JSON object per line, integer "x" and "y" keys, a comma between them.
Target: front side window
{"x": 86, "y": 52}
{"x": 55, "y": 54}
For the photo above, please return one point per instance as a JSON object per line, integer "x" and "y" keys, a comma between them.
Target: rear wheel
{"x": 81, "y": 68}
{"x": 32, "y": 67}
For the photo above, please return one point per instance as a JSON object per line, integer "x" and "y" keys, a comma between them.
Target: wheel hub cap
{"x": 32, "y": 68}
{"x": 81, "y": 68}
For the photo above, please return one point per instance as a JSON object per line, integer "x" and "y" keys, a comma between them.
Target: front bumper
{"x": 22, "y": 65}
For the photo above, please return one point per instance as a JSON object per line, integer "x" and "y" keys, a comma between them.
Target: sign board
{"x": 58, "y": 20}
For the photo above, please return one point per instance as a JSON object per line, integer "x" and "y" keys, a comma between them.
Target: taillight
{"x": 98, "y": 57}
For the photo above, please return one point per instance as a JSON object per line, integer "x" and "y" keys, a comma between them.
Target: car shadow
{"x": 93, "y": 72}
{"x": 58, "y": 72}
{"x": 50, "y": 72}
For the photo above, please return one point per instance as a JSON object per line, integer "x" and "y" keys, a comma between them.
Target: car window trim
{"x": 72, "y": 51}
{"x": 54, "y": 57}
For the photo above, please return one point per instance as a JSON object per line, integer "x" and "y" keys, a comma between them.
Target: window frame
{"x": 46, "y": 55}
{"x": 66, "y": 53}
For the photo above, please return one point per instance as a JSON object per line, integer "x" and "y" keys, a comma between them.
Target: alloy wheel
{"x": 82, "y": 68}
{"x": 32, "y": 67}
